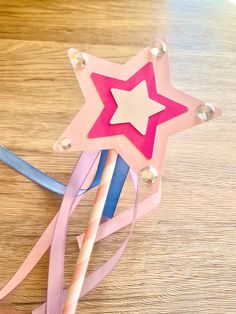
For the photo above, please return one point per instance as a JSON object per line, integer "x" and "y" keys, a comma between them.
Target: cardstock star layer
{"x": 140, "y": 107}
{"x": 132, "y": 108}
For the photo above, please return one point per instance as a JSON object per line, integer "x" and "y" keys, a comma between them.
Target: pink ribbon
{"x": 109, "y": 227}
{"x": 42, "y": 244}
{"x": 57, "y": 252}
{"x": 105, "y": 229}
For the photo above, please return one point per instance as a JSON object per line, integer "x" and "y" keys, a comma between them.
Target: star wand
{"x": 130, "y": 109}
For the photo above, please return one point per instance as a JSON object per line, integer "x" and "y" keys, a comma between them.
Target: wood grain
{"x": 182, "y": 257}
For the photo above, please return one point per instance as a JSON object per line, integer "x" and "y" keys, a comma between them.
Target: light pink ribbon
{"x": 57, "y": 251}
{"x": 105, "y": 229}
{"x": 42, "y": 244}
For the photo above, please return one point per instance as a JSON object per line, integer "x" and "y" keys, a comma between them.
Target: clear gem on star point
{"x": 79, "y": 60}
{"x": 64, "y": 144}
{"x": 148, "y": 175}
{"x": 157, "y": 48}
{"x": 205, "y": 112}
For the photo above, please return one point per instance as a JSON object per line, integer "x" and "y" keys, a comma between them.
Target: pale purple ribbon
{"x": 57, "y": 252}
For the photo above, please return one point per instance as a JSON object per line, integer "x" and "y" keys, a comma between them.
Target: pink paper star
{"x": 102, "y": 126}
{"x": 91, "y": 128}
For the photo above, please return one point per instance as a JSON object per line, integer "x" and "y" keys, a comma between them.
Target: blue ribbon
{"x": 118, "y": 179}
{"x": 51, "y": 184}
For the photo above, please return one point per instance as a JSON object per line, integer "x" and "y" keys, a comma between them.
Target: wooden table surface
{"x": 182, "y": 257}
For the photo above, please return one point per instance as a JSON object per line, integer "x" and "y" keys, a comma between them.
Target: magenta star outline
{"x": 102, "y": 126}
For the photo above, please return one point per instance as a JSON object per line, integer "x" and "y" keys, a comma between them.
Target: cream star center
{"x": 134, "y": 107}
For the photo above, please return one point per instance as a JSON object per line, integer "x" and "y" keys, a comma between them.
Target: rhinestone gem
{"x": 158, "y": 48}
{"x": 205, "y": 112}
{"x": 64, "y": 144}
{"x": 79, "y": 60}
{"x": 148, "y": 175}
